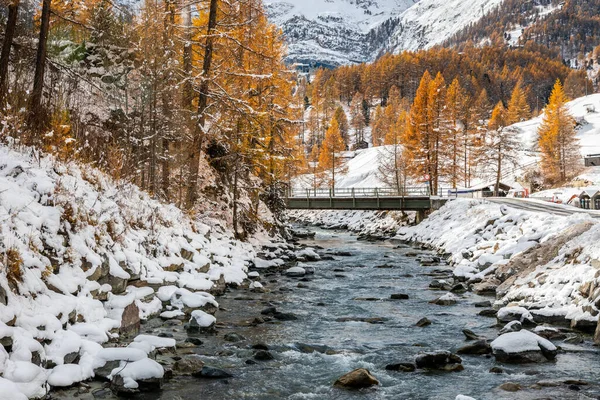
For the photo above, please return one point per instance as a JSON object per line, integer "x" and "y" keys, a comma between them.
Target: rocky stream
{"x": 388, "y": 307}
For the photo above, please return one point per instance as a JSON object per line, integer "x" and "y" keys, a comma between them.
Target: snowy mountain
{"x": 431, "y": 22}
{"x": 334, "y": 32}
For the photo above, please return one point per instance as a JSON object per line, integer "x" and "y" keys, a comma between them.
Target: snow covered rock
{"x": 448, "y": 299}
{"x": 523, "y": 347}
{"x": 295, "y": 272}
{"x": 514, "y": 313}
{"x": 137, "y": 376}
{"x": 201, "y": 321}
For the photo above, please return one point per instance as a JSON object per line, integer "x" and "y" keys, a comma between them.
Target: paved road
{"x": 542, "y": 206}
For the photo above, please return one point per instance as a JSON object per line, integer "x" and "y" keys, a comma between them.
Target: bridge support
{"x": 420, "y": 216}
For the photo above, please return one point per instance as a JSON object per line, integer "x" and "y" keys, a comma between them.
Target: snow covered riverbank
{"x": 547, "y": 263}
{"x": 363, "y": 223}
{"x": 82, "y": 259}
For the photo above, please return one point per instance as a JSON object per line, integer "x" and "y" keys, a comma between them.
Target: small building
{"x": 589, "y": 199}
{"x": 592, "y": 160}
{"x": 484, "y": 190}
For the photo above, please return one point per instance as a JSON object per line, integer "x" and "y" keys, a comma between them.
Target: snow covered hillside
{"x": 544, "y": 262}
{"x": 82, "y": 258}
{"x": 431, "y": 22}
{"x": 331, "y": 32}
{"x": 336, "y": 32}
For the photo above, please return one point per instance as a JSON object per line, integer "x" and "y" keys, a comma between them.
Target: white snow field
{"x": 79, "y": 239}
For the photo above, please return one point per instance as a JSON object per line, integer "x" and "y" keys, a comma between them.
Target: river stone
{"x": 510, "y": 387}
{"x": 233, "y": 337}
{"x": 459, "y": 288}
{"x": 402, "y": 367}
{"x": 269, "y": 311}
{"x": 496, "y": 370}
{"x": 488, "y": 313}
{"x": 263, "y": 355}
{"x": 483, "y": 304}
{"x": 357, "y": 379}
{"x": 439, "y": 360}
{"x": 260, "y": 346}
{"x": 423, "y": 322}
{"x": 597, "y": 335}
{"x": 295, "y": 272}
{"x": 117, "y": 385}
{"x": 573, "y": 338}
{"x": 212, "y": 373}
{"x": 478, "y": 347}
{"x": 487, "y": 286}
{"x": 399, "y": 296}
{"x": 285, "y": 316}
{"x": 470, "y": 335}
{"x": 188, "y": 365}
{"x": 514, "y": 326}
{"x": 446, "y": 300}
{"x": 130, "y": 320}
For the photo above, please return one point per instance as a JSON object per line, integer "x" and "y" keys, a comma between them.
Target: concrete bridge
{"x": 409, "y": 199}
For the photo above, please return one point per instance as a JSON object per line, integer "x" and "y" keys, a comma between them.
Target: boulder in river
{"x": 358, "y": 379}
{"x": 402, "y": 367}
{"x": 470, "y": 335}
{"x": 523, "y": 347}
{"x": 478, "y": 347}
{"x": 263, "y": 355}
{"x": 439, "y": 360}
{"x": 423, "y": 322}
{"x": 399, "y": 296}
{"x": 510, "y": 387}
{"x": 597, "y": 335}
{"x": 448, "y": 299}
{"x": 188, "y": 365}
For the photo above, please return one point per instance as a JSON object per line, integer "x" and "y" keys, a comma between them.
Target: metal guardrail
{"x": 363, "y": 192}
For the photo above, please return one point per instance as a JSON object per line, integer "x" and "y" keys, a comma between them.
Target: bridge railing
{"x": 362, "y": 192}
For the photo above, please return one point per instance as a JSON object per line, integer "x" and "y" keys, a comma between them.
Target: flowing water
{"x": 334, "y": 292}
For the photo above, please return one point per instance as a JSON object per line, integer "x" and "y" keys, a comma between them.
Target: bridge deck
{"x": 408, "y": 203}
{"x": 409, "y": 199}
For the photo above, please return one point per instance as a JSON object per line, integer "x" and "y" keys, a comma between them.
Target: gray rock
{"x": 439, "y": 360}
{"x": 144, "y": 385}
{"x": 478, "y": 347}
{"x": 402, "y": 367}
{"x": 423, "y": 322}
{"x": 233, "y": 337}
{"x": 357, "y": 379}
{"x": 263, "y": 355}
{"x": 188, "y": 365}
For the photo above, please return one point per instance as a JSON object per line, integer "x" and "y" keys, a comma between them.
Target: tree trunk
{"x": 198, "y": 134}
{"x": 35, "y": 112}
{"x": 9, "y": 33}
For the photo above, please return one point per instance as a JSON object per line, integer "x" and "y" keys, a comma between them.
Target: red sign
{"x": 427, "y": 177}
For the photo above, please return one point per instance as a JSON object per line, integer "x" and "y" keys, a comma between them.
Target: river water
{"x": 334, "y": 292}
